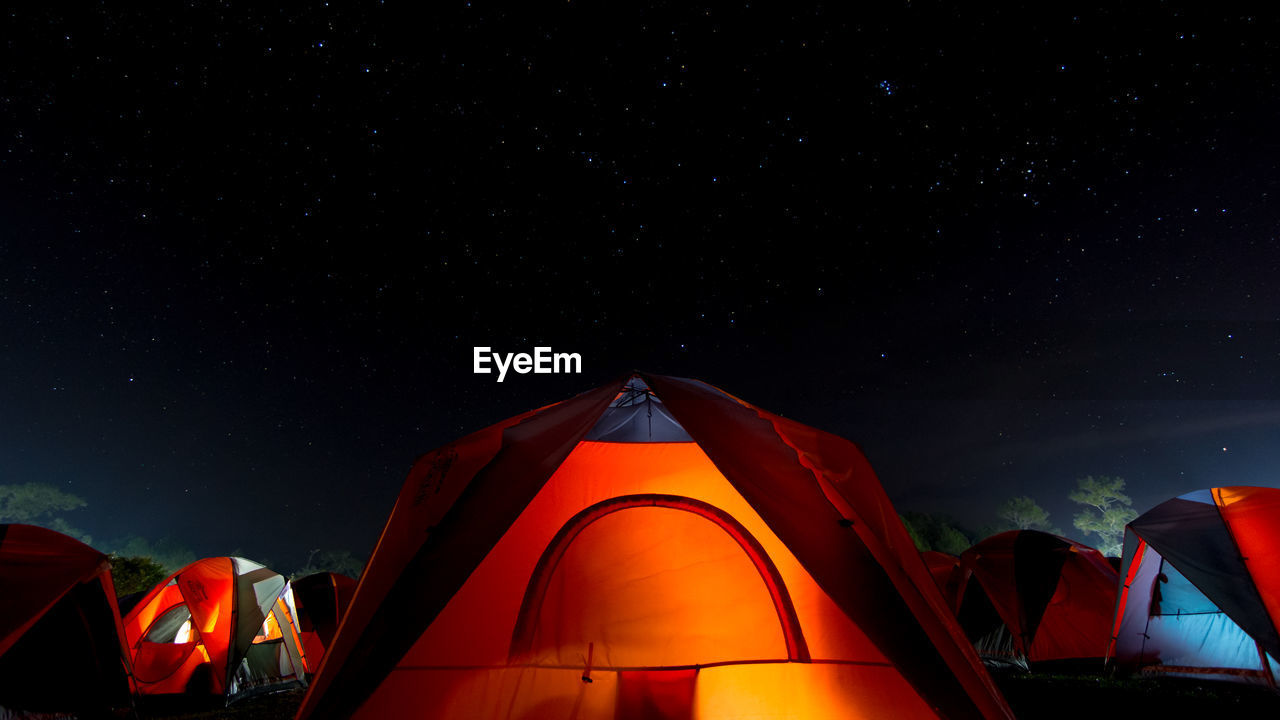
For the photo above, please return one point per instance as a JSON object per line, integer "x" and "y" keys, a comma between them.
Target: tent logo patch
{"x": 195, "y": 590}
{"x": 542, "y": 362}
{"x": 433, "y": 478}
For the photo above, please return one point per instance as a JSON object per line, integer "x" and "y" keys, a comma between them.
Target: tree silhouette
{"x": 935, "y": 532}
{"x": 40, "y": 504}
{"x": 1108, "y": 511}
{"x": 135, "y": 574}
{"x": 169, "y": 554}
{"x": 342, "y": 562}
{"x": 1023, "y": 513}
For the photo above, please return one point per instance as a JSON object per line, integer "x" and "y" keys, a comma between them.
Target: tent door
{"x": 656, "y": 581}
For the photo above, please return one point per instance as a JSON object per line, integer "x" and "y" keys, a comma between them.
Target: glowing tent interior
{"x": 222, "y": 626}
{"x": 1201, "y": 592}
{"x": 1026, "y": 596}
{"x": 61, "y": 644}
{"x": 652, "y": 548}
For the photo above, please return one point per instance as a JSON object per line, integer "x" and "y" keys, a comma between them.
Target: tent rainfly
{"x": 61, "y": 643}
{"x": 651, "y": 548}
{"x": 1201, "y": 587}
{"x": 222, "y": 626}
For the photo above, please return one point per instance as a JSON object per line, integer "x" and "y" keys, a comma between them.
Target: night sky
{"x": 245, "y": 253}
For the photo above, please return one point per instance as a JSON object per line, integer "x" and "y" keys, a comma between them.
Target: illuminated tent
{"x": 322, "y": 598}
{"x": 653, "y": 548}
{"x": 1201, "y": 592}
{"x": 61, "y": 647}
{"x": 1026, "y": 596}
{"x": 221, "y": 626}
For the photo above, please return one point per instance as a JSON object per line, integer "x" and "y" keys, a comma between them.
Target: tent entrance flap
{"x": 646, "y": 570}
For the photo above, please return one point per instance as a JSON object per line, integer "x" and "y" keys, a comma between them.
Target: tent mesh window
{"x": 1173, "y": 594}
{"x": 174, "y": 626}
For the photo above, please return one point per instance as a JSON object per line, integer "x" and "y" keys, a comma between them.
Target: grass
{"x": 273, "y": 706}
{"x": 1033, "y": 696}
{"x": 1038, "y": 696}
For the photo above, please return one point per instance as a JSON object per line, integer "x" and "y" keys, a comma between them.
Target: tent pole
{"x": 1266, "y": 665}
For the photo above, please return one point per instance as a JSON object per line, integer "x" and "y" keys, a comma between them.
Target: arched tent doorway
{"x": 679, "y": 582}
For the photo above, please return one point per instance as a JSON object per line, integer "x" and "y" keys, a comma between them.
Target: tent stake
{"x": 586, "y": 674}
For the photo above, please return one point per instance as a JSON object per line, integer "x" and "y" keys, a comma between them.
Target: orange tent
{"x": 1029, "y": 596}
{"x": 61, "y": 647}
{"x": 222, "y": 625}
{"x": 652, "y": 548}
{"x": 322, "y": 599}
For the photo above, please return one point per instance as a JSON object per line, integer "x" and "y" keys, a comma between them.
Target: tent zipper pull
{"x": 586, "y": 674}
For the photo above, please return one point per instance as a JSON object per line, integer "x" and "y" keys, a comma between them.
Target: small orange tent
{"x": 1030, "y": 596}
{"x": 322, "y": 598}
{"x": 222, "y": 625}
{"x": 61, "y": 643}
{"x": 652, "y": 548}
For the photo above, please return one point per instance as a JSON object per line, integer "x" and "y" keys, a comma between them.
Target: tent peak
{"x": 637, "y": 414}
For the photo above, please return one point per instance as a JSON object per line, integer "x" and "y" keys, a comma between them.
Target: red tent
{"x": 945, "y": 569}
{"x": 322, "y": 598}
{"x": 1029, "y": 596}
{"x": 61, "y": 647}
{"x": 652, "y": 548}
{"x": 221, "y": 626}
{"x": 1201, "y": 593}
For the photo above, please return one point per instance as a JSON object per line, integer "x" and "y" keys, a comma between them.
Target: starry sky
{"x": 245, "y": 253}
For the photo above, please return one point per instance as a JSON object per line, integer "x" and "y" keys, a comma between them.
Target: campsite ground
{"x": 275, "y": 706}
{"x": 1032, "y": 697}
{"x": 1035, "y": 696}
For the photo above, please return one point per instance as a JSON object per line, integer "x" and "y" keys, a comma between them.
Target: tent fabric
{"x": 1054, "y": 598}
{"x": 714, "y": 559}
{"x": 322, "y": 598}
{"x": 1201, "y": 588}
{"x": 61, "y": 641}
{"x": 945, "y": 569}
{"x": 221, "y": 626}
